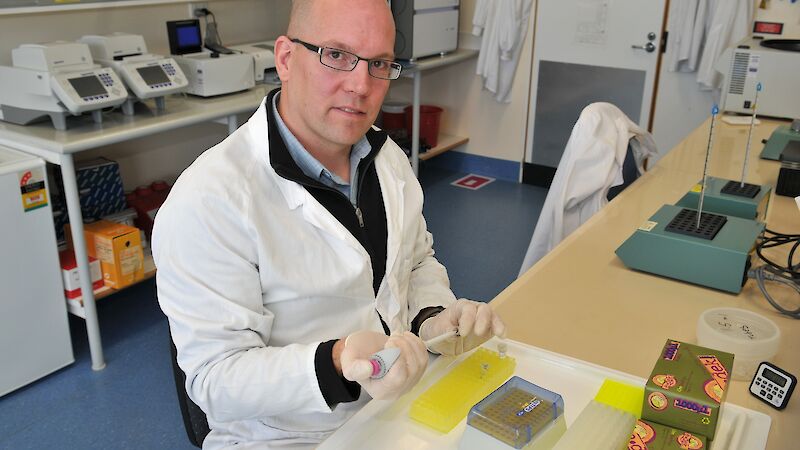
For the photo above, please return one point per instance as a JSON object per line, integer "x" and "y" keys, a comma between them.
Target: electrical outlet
{"x": 193, "y": 6}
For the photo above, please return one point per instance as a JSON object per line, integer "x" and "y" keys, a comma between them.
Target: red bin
{"x": 429, "y": 118}
{"x": 393, "y": 116}
{"x": 146, "y": 200}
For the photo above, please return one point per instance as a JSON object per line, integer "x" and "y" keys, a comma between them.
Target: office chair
{"x": 194, "y": 419}
{"x": 629, "y": 174}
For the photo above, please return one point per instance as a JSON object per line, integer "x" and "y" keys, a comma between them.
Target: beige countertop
{"x": 581, "y": 301}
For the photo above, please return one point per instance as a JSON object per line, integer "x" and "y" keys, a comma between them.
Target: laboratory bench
{"x": 579, "y": 316}
{"x": 582, "y": 302}
{"x": 60, "y": 147}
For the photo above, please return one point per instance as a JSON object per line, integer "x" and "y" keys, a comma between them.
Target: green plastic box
{"x": 687, "y": 388}
{"x": 653, "y": 436}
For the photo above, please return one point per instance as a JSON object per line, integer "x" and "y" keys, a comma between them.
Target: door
{"x": 587, "y": 51}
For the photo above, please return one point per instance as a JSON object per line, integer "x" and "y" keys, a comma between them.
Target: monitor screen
{"x": 774, "y": 377}
{"x": 88, "y": 86}
{"x": 188, "y": 36}
{"x": 153, "y": 75}
{"x": 184, "y": 36}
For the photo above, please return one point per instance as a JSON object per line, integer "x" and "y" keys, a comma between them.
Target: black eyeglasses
{"x": 346, "y": 61}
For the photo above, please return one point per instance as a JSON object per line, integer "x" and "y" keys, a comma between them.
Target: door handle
{"x": 649, "y": 47}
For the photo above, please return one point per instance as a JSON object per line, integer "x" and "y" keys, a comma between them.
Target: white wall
{"x": 498, "y": 130}
{"x": 239, "y": 21}
{"x": 165, "y": 155}
{"x": 681, "y": 106}
{"x": 495, "y": 129}
{"x": 782, "y": 11}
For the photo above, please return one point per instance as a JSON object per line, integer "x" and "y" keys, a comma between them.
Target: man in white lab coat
{"x": 289, "y": 252}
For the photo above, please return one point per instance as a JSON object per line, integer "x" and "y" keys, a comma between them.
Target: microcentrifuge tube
{"x": 502, "y": 348}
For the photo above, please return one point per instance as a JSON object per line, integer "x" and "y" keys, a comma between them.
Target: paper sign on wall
{"x": 592, "y": 22}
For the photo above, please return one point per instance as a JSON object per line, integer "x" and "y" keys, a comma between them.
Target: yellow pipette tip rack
{"x": 448, "y": 401}
{"x": 624, "y": 396}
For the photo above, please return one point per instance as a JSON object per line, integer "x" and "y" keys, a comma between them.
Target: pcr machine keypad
{"x": 106, "y": 79}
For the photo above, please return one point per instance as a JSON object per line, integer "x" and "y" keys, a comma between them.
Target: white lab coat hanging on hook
{"x": 503, "y": 25}
{"x": 686, "y": 34}
{"x": 730, "y": 22}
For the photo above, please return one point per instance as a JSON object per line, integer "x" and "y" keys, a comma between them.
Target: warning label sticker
{"x": 32, "y": 189}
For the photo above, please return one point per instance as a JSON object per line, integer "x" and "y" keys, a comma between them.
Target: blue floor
{"x": 480, "y": 236}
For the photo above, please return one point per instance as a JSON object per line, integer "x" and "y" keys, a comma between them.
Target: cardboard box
{"x": 70, "y": 276}
{"x": 653, "y": 436}
{"x": 687, "y": 387}
{"x": 119, "y": 250}
{"x": 99, "y": 186}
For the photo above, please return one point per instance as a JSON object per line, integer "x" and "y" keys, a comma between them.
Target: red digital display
{"x": 768, "y": 27}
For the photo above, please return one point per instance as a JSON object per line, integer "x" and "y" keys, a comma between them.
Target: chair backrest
{"x": 629, "y": 174}
{"x": 194, "y": 419}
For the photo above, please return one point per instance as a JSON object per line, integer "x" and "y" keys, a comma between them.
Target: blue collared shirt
{"x": 313, "y": 168}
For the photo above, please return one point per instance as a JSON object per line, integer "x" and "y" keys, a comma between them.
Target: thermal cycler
{"x": 773, "y": 63}
{"x": 56, "y": 79}
{"x": 146, "y": 75}
{"x": 209, "y": 72}
{"x": 263, "y": 54}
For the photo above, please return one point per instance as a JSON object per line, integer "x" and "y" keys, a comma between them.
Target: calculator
{"x": 773, "y": 385}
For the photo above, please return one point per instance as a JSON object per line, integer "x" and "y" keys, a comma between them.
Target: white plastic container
{"x": 751, "y": 337}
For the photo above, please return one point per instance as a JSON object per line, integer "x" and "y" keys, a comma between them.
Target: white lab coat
{"x": 503, "y": 25}
{"x": 687, "y": 26}
{"x": 484, "y": 24}
{"x": 730, "y": 22}
{"x": 253, "y": 273}
{"x": 590, "y": 166}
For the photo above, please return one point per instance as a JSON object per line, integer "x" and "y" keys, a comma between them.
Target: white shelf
{"x": 446, "y": 142}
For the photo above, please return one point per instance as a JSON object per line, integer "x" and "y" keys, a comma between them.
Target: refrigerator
{"x": 34, "y": 330}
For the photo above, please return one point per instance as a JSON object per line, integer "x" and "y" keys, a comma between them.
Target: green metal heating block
{"x": 780, "y": 138}
{"x": 717, "y": 255}
{"x": 749, "y": 202}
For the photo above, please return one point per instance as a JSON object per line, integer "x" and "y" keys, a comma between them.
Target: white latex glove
{"x": 403, "y": 375}
{"x": 476, "y": 323}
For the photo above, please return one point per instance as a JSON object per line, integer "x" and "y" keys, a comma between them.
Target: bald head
{"x": 329, "y": 109}
{"x": 305, "y": 14}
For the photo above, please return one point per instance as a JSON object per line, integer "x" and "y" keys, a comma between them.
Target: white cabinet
{"x": 34, "y": 333}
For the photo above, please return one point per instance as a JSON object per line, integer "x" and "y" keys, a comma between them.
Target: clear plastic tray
{"x": 386, "y": 425}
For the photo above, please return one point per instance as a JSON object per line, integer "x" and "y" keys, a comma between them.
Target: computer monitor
{"x": 184, "y": 36}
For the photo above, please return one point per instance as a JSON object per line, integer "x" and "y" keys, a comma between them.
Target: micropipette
{"x": 442, "y": 337}
{"x": 383, "y": 360}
